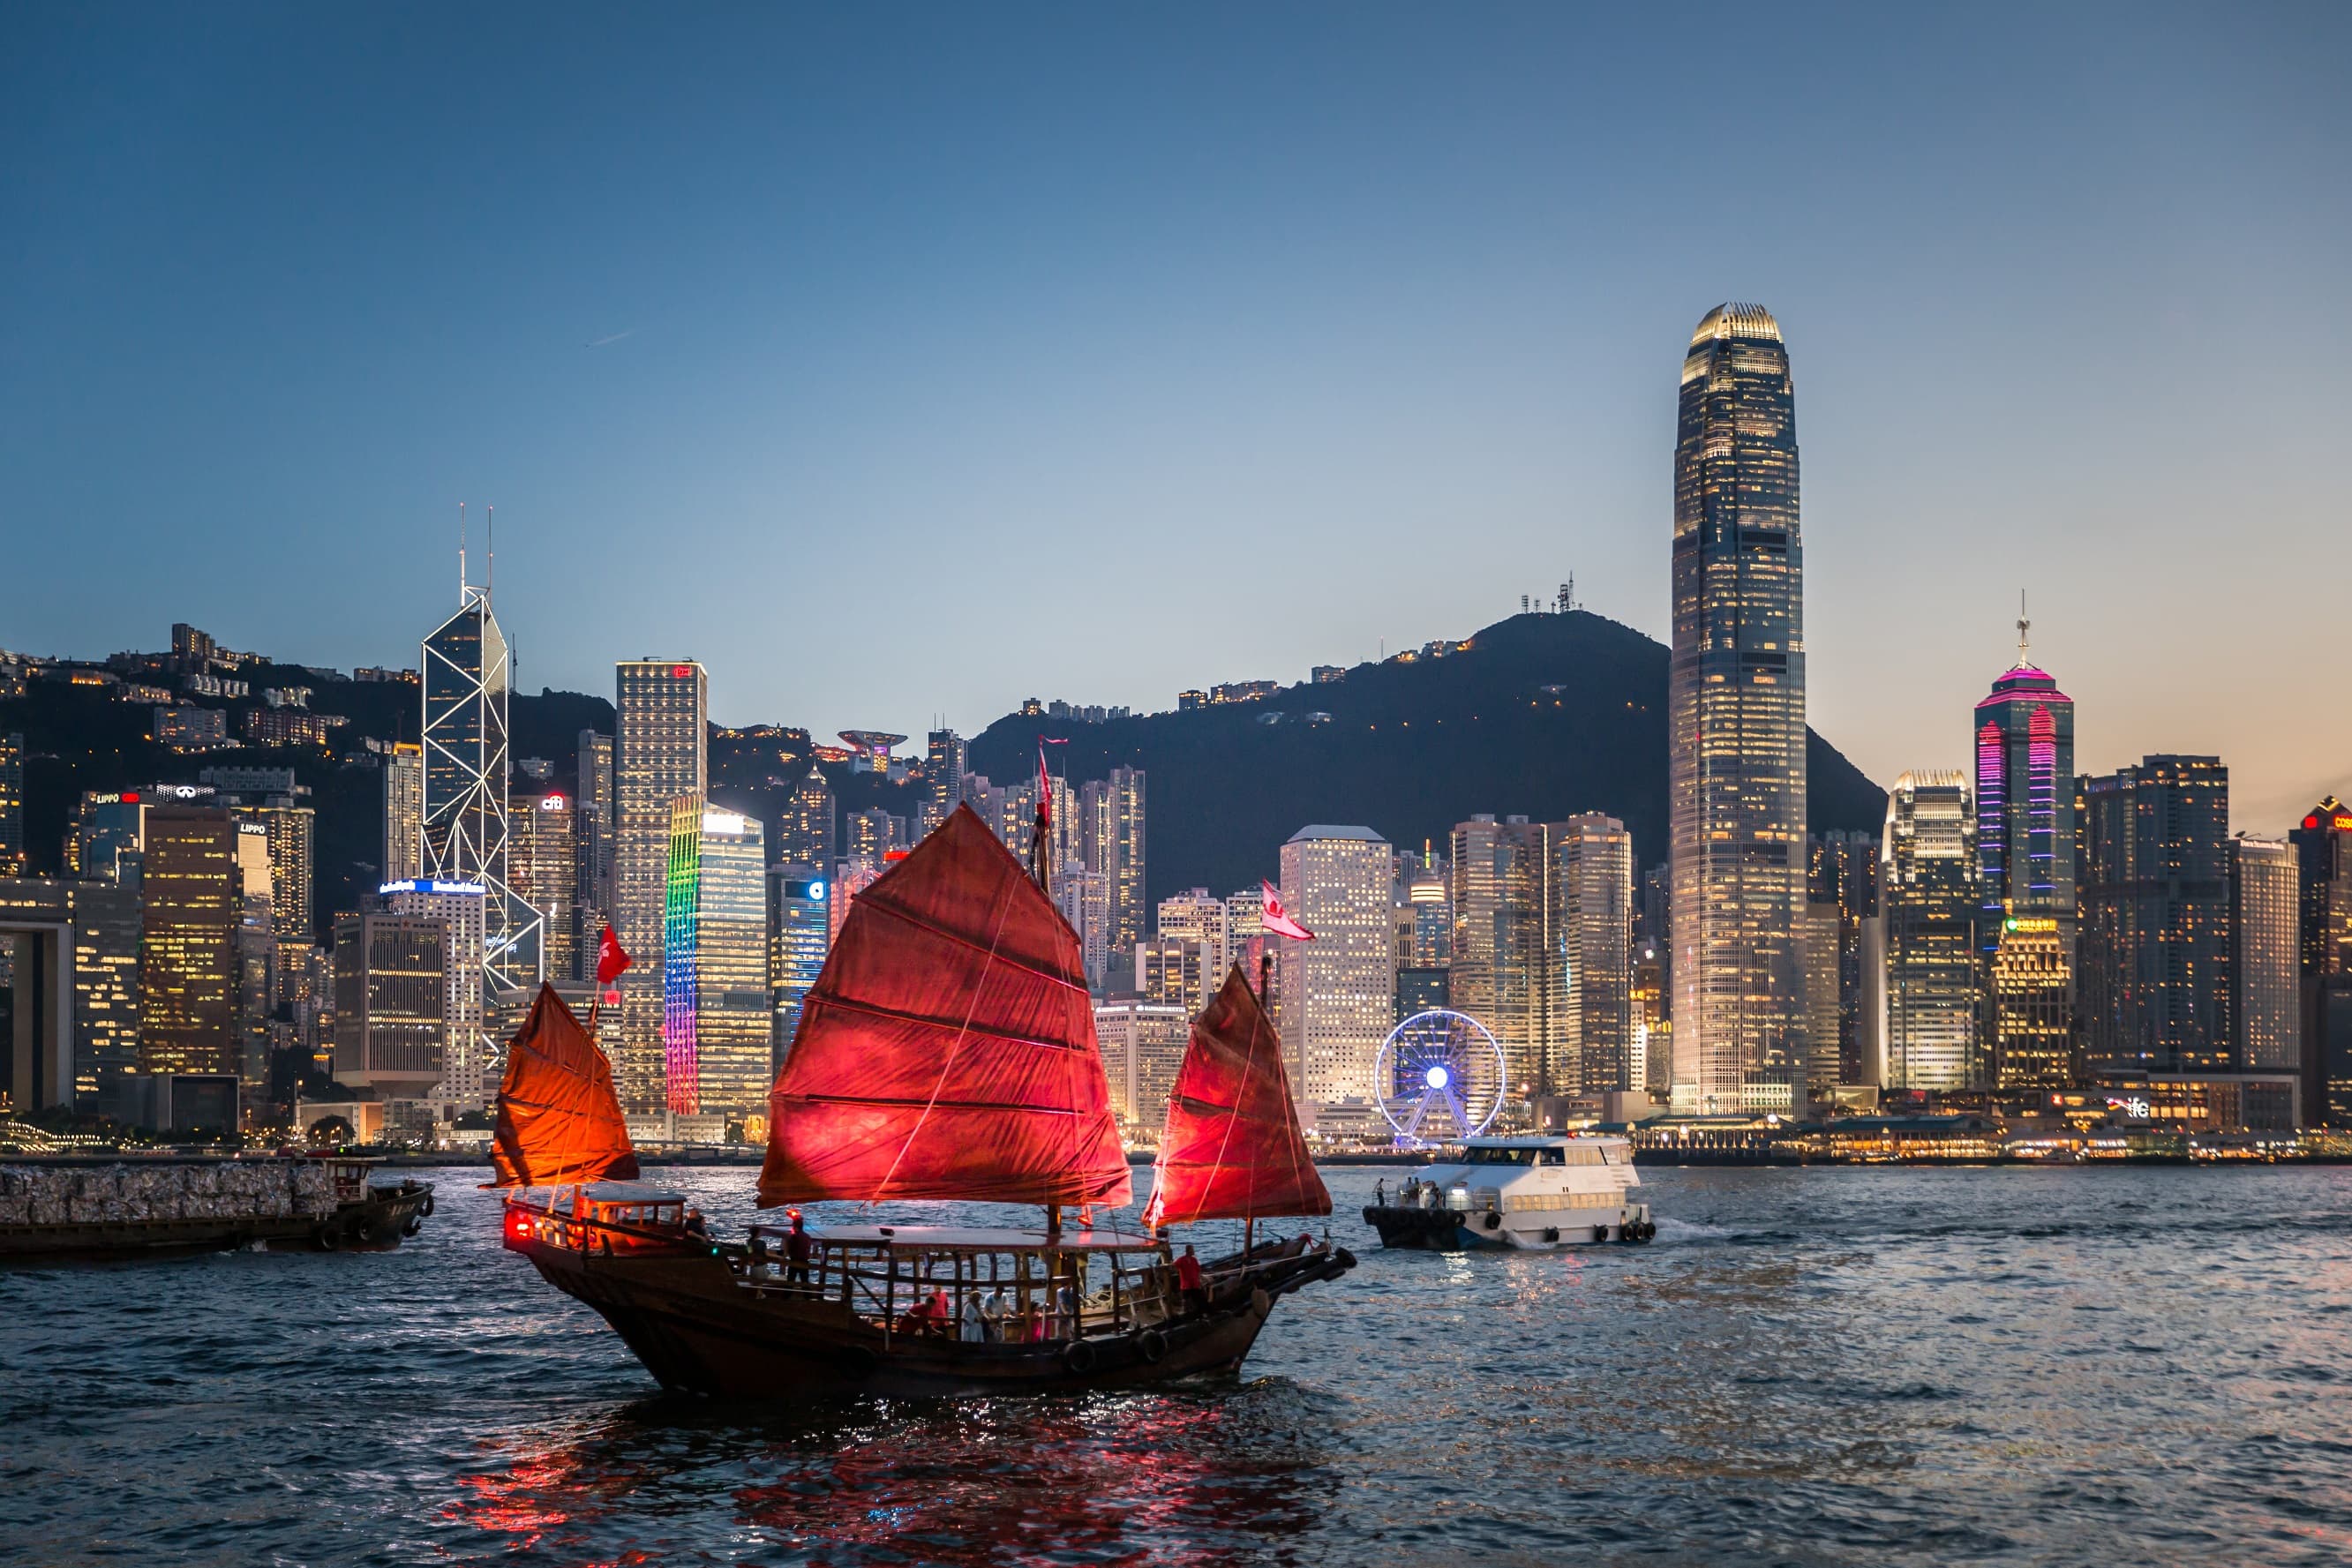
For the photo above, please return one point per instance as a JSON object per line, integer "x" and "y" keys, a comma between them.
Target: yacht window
{"x": 1499, "y": 1156}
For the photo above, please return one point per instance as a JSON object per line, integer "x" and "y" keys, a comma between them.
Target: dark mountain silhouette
{"x": 1543, "y": 715}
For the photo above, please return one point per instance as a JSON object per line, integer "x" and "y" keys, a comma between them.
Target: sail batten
{"x": 558, "y": 1121}
{"x": 1232, "y": 1148}
{"x": 947, "y": 1048}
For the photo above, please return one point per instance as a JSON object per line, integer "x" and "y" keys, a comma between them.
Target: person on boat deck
{"x": 1381, "y": 1192}
{"x": 797, "y": 1248}
{"x": 994, "y": 1313}
{"x": 694, "y": 1225}
{"x": 1188, "y": 1281}
{"x": 972, "y": 1323}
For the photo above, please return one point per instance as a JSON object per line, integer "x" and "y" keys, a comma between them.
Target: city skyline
{"x": 847, "y": 402}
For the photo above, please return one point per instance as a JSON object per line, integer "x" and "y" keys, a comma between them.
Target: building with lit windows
{"x": 2322, "y": 853}
{"x": 947, "y": 757}
{"x": 291, "y": 832}
{"x": 1339, "y": 989}
{"x": 2025, "y": 801}
{"x": 717, "y": 1018}
{"x": 70, "y": 953}
{"x": 808, "y": 833}
{"x": 543, "y": 870}
{"x": 1927, "y": 907}
{"x": 593, "y": 828}
{"x": 2029, "y": 1013}
{"x": 1142, "y": 1045}
{"x": 2266, "y": 985}
{"x": 12, "y": 804}
{"x": 469, "y": 1077}
{"x": 403, "y": 813}
{"x": 192, "y": 896}
{"x": 1843, "y": 876}
{"x": 2152, "y": 989}
{"x": 1111, "y": 828}
{"x": 467, "y": 674}
{"x": 392, "y": 1003}
{"x": 799, "y": 936}
{"x": 1735, "y": 722}
{"x": 1193, "y": 915}
{"x": 1821, "y": 940}
{"x": 660, "y": 752}
{"x": 1589, "y": 947}
{"x": 1502, "y": 963}
{"x": 109, "y": 837}
{"x": 1177, "y": 971}
{"x": 1084, "y": 898}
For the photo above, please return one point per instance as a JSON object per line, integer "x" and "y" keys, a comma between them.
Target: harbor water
{"x": 1833, "y": 1365}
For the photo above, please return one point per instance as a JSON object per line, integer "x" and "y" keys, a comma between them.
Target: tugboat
{"x": 1530, "y": 1193}
{"x": 947, "y": 1052}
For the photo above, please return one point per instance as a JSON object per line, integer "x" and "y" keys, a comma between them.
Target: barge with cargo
{"x": 85, "y": 1208}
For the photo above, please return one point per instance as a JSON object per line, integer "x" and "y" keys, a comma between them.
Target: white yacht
{"x": 1535, "y": 1193}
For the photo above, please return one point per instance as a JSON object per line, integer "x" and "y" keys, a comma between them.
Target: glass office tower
{"x": 1737, "y": 722}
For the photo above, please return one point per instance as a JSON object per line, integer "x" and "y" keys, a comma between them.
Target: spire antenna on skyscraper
{"x": 2023, "y": 626}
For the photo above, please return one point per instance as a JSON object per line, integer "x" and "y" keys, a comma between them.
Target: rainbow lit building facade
{"x": 1735, "y": 717}
{"x": 715, "y": 1002}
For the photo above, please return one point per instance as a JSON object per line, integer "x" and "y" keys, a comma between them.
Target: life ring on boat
{"x": 1493, "y": 1221}
{"x": 425, "y": 1209}
{"x": 1151, "y": 1345}
{"x": 1079, "y": 1355}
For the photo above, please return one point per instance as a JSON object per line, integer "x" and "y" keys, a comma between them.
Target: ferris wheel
{"x": 1439, "y": 1077}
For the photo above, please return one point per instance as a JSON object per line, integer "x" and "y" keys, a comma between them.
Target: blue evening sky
{"x": 901, "y": 360}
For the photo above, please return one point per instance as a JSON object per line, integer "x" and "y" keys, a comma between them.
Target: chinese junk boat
{"x": 947, "y": 1052}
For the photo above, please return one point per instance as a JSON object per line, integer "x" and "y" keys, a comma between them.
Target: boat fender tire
{"x": 425, "y": 1209}
{"x": 1493, "y": 1221}
{"x": 329, "y": 1239}
{"x": 1551, "y": 1233}
{"x": 1260, "y": 1302}
{"x": 1151, "y": 1345}
{"x": 1601, "y": 1233}
{"x": 412, "y": 1227}
{"x": 1079, "y": 1355}
{"x": 1345, "y": 1258}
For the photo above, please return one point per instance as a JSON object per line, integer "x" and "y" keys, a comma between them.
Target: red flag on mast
{"x": 1278, "y": 921}
{"x": 610, "y": 959}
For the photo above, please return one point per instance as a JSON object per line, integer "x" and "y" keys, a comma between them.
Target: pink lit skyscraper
{"x": 2025, "y": 801}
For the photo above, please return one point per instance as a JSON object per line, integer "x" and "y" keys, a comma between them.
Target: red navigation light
{"x": 518, "y": 1225}
{"x": 130, "y": 798}
{"x": 681, "y": 672}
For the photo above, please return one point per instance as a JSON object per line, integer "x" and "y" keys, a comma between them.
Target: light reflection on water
{"x": 1821, "y": 1365}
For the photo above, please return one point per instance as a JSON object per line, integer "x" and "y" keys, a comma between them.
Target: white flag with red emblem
{"x": 1276, "y": 920}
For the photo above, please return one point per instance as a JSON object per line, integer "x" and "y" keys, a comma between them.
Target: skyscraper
{"x": 461, "y": 910}
{"x": 717, "y": 1018}
{"x": 192, "y": 894}
{"x": 543, "y": 868}
{"x": 1193, "y": 915}
{"x": 404, "y": 813}
{"x": 1142, "y": 1043}
{"x": 1339, "y": 989}
{"x": 1502, "y": 966}
{"x": 808, "y": 835}
{"x": 945, "y": 762}
{"x": 2323, "y": 851}
{"x": 660, "y": 753}
{"x": 594, "y": 823}
{"x": 1111, "y": 812}
{"x": 1084, "y": 898}
{"x": 391, "y": 1001}
{"x": 1736, "y": 721}
{"x": 1844, "y": 876}
{"x": 2155, "y": 941}
{"x": 2025, "y": 801}
{"x": 1927, "y": 903}
{"x": 2031, "y": 1014}
{"x": 2265, "y": 1008}
{"x": 799, "y": 934}
{"x": 1592, "y": 956}
{"x": 468, "y": 671}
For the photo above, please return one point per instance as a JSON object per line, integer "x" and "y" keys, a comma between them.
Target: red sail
{"x": 1232, "y": 1148}
{"x": 559, "y": 1120}
{"x": 947, "y": 1049}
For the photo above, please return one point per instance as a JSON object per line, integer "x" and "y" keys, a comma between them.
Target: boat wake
{"x": 1672, "y": 1232}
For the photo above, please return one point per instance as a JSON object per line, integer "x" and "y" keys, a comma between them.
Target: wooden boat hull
{"x": 700, "y": 1328}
